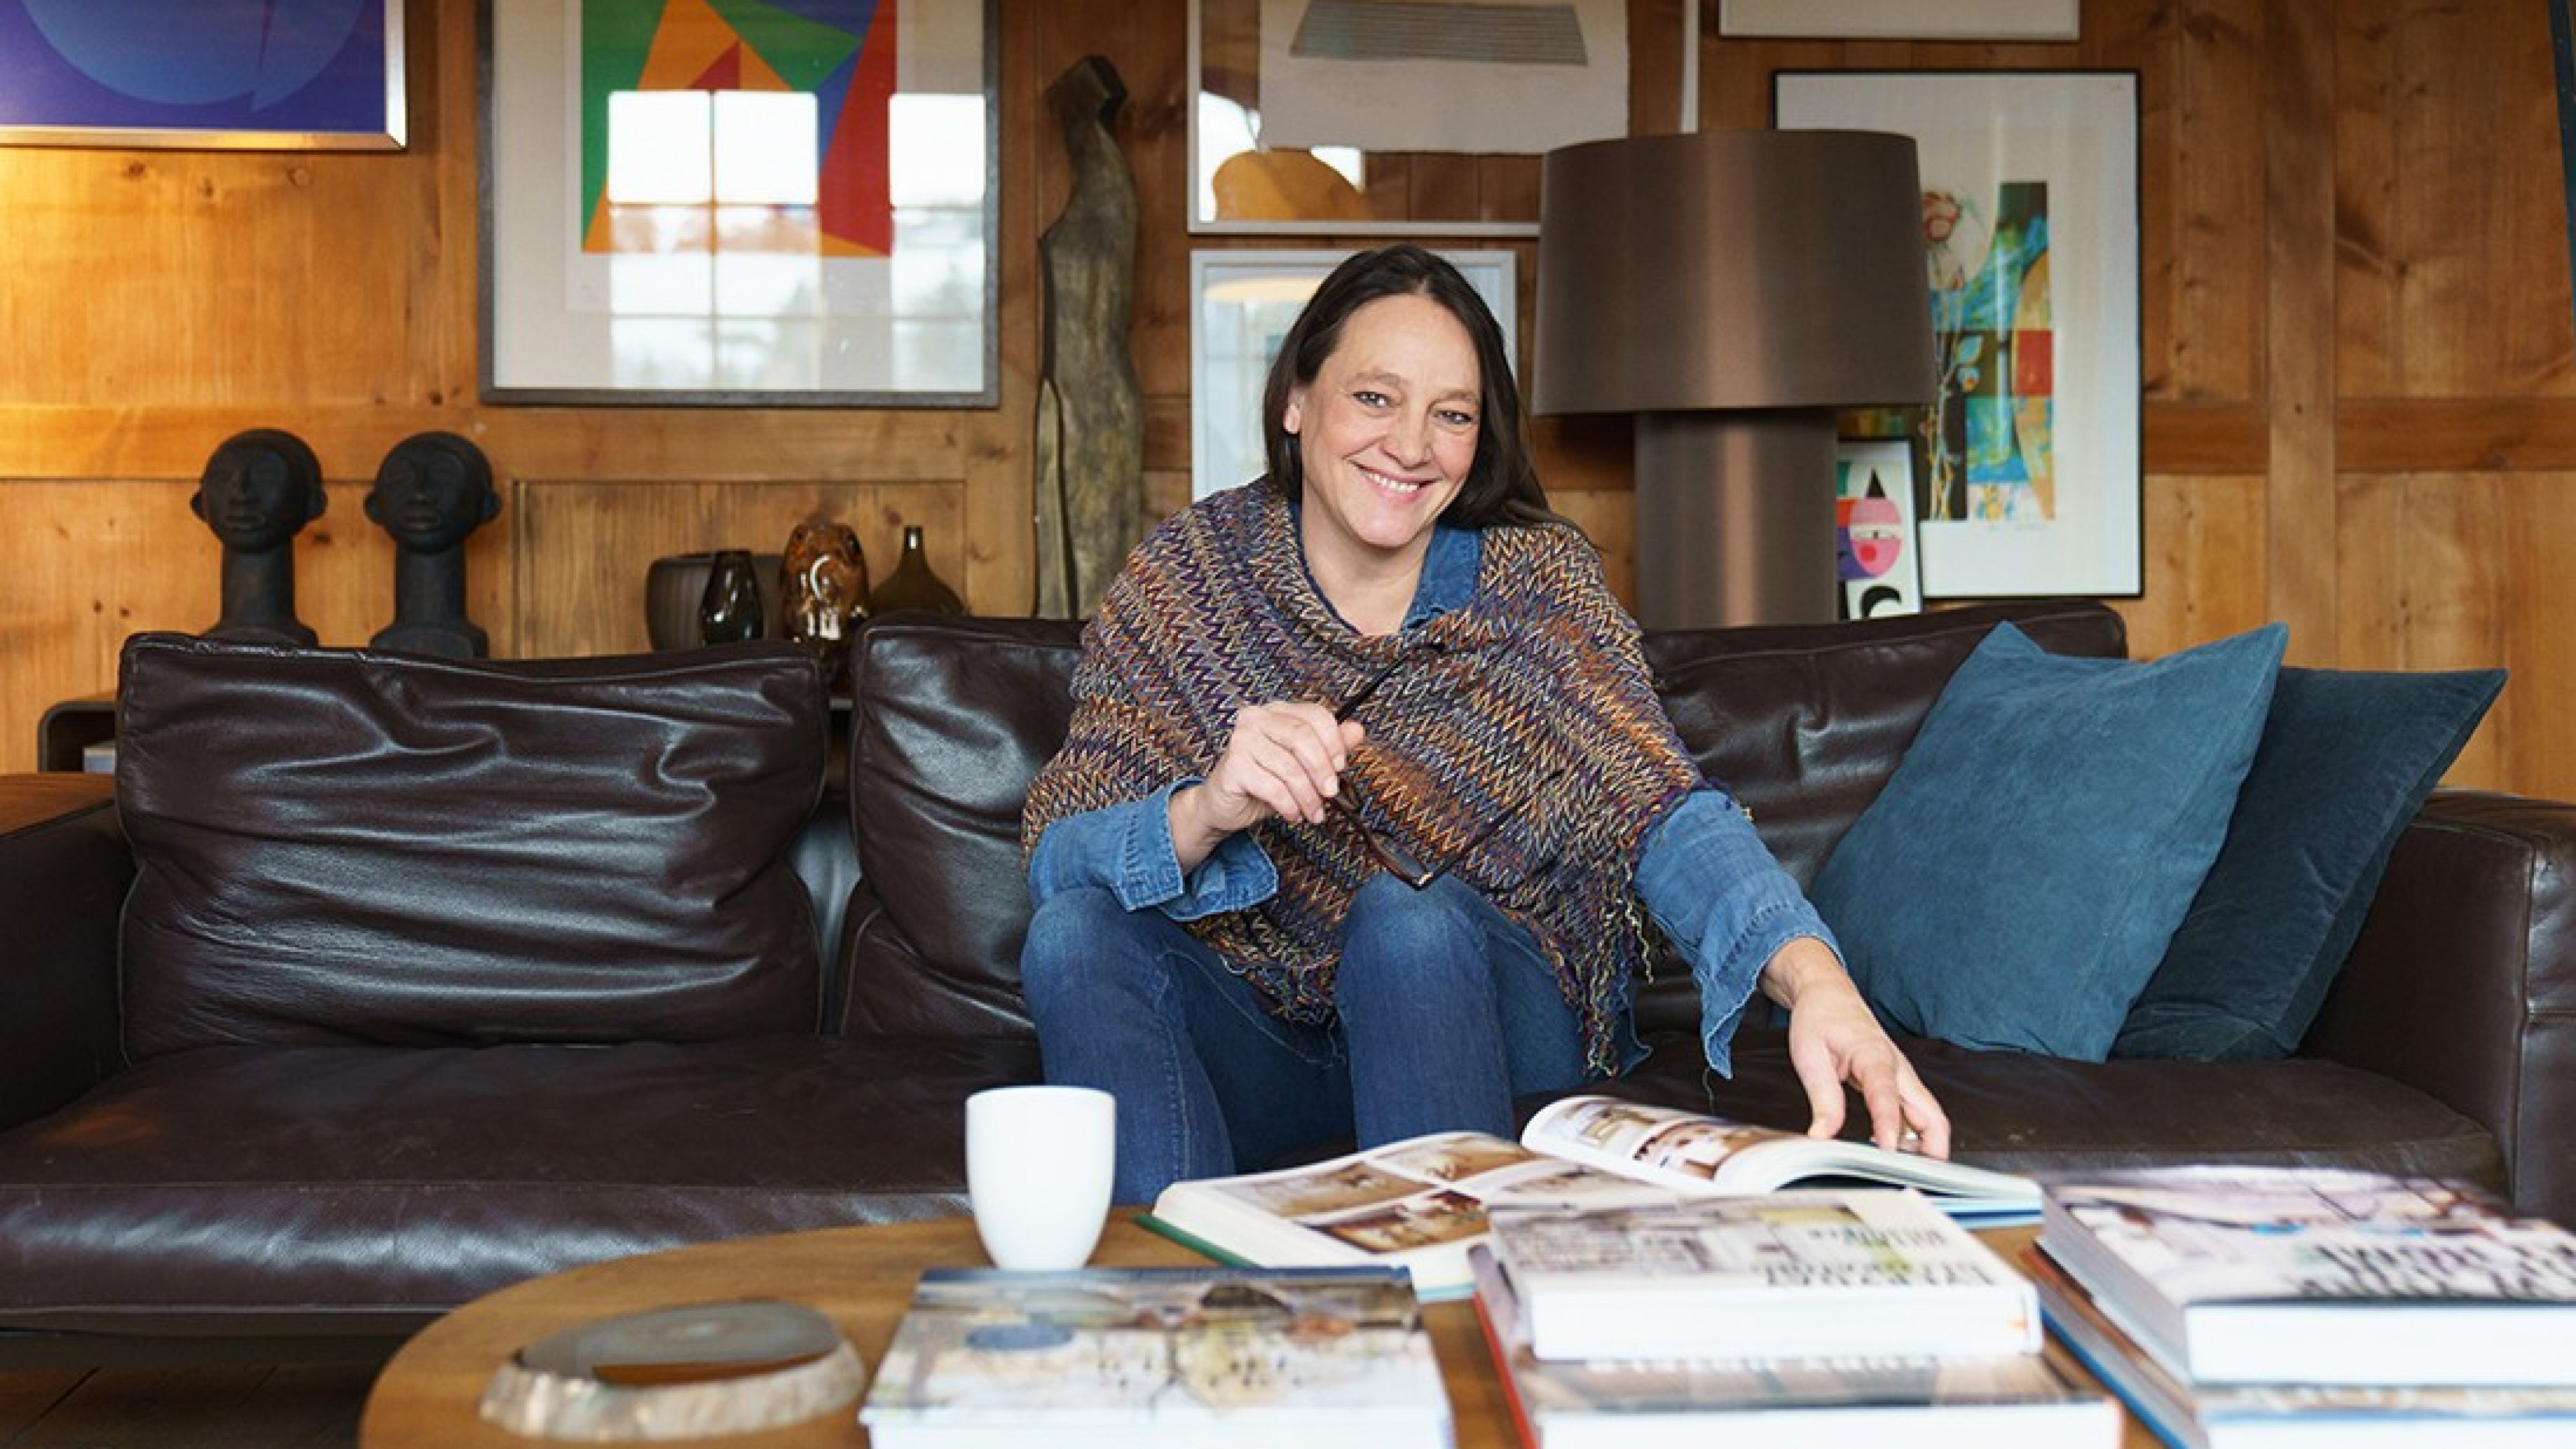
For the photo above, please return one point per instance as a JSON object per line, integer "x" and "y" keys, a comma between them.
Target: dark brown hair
{"x": 1502, "y": 484}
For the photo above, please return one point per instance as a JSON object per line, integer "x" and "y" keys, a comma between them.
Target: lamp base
{"x": 1735, "y": 518}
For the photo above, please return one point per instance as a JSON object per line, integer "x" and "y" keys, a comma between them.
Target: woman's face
{"x": 1386, "y": 431}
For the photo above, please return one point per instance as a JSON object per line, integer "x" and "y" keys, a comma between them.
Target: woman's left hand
{"x": 1835, "y": 1038}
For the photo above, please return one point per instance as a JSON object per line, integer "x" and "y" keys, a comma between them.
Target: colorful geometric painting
{"x": 841, "y": 52}
{"x": 1989, "y": 436}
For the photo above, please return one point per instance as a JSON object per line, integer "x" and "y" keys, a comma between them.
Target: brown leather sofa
{"x": 346, "y": 1190}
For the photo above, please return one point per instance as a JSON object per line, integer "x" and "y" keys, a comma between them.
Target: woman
{"x": 1366, "y": 782}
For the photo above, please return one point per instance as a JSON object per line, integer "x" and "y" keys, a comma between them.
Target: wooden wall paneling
{"x": 2204, "y": 566}
{"x": 2430, "y": 583}
{"x": 2369, "y": 344}
{"x": 1152, "y": 55}
{"x": 2201, "y": 181}
{"x": 97, "y": 559}
{"x": 2454, "y": 247}
{"x": 2438, "y": 435}
{"x": 1610, "y": 520}
{"x": 588, "y": 544}
{"x": 2299, "y": 325}
{"x": 2535, "y": 749}
{"x": 209, "y": 261}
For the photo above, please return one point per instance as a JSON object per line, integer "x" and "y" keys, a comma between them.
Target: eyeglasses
{"x": 1352, "y": 799}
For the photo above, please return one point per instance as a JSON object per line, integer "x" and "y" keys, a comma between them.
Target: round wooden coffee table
{"x": 861, "y": 1277}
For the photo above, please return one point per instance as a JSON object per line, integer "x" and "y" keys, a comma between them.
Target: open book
{"x": 1421, "y": 1202}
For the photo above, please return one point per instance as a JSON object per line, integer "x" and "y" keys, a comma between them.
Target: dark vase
{"x": 912, "y": 585}
{"x": 729, "y": 611}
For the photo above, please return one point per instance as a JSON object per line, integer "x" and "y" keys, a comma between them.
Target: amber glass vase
{"x": 912, "y": 585}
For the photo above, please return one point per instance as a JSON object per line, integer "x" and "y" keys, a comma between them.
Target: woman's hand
{"x": 1282, "y": 760}
{"x": 1834, "y": 1038}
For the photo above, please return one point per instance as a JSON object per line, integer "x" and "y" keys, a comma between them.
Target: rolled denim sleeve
{"x": 1128, "y": 850}
{"x": 1717, "y": 894}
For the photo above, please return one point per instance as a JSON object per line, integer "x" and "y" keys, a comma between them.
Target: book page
{"x": 1702, "y": 1154}
{"x": 1419, "y": 1194}
{"x": 1658, "y": 1144}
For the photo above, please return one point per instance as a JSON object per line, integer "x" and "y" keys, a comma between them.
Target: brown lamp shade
{"x": 1733, "y": 289}
{"x": 1732, "y": 269}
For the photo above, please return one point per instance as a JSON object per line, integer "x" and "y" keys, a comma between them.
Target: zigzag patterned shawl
{"x": 1538, "y": 682}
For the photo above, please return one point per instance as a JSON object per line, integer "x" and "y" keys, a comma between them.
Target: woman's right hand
{"x": 1283, "y": 759}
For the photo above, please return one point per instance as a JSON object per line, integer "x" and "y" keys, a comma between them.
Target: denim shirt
{"x": 1713, "y": 888}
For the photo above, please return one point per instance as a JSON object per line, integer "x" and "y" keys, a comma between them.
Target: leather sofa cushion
{"x": 346, "y": 846}
{"x": 366, "y": 1189}
{"x": 2033, "y": 1114}
{"x": 951, "y": 718}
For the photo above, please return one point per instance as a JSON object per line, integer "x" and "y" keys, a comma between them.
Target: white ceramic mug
{"x": 1038, "y": 1163}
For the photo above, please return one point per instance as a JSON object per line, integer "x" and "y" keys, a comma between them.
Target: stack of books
{"x": 1808, "y": 1318}
{"x": 2252, "y": 1308}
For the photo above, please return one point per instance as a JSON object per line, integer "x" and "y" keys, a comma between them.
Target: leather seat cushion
{"x": 332, "y": 1186}
{"x": 2035, "y": 1114}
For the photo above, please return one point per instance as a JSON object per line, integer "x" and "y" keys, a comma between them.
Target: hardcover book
{"x": 1422, "y": 1202}
{"x": 1118, "y": 1357}
{"x": 2295, "y": 1275}
{"x": 2295, "y": 1416}
{"x": 1875, "y": 1273}
{"x": 2006, "y": 1401}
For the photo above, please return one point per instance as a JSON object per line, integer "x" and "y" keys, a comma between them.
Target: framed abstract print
{"x": 2027, "y": 465}
{"x": 757, "y": 205}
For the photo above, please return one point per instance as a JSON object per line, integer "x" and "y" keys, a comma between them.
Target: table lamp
{"x": 1734, "y": 290}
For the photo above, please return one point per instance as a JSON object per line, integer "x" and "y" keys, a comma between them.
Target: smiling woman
{"x": 1266, "y": 921}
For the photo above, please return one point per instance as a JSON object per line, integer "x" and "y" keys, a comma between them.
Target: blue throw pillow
{"x": 2346, "y": 761}
{"x": 2017, "y": 881}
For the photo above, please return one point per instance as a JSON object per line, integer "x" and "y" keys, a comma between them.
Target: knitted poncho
{"x": 1536, "y": 684}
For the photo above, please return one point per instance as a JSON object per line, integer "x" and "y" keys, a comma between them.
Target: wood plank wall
{"x": 2359, "y": 413}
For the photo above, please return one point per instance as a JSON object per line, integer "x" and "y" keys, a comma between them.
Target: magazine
{"x": 1869, "y": 1272}
{"x": 1152, "y": 1357}
{"x": 2295, "y": 1416}
{"x": 2006, "y": 1401}
{"x": 1421, "y": 1202}
{"x": 2253, "y": 1275}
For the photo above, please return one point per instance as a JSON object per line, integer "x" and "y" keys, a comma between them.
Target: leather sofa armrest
{"x": 64, "y": 870}
{"x": 2463, "y": 981}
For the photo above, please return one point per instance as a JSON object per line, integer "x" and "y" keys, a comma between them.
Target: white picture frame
{"x": 1241, "y": 305}
{"x": 2028, "y": 469}
{"x": 864, "y": 273}
{"x": 1445, "y": 142}
{"x": 1975, "y": 20}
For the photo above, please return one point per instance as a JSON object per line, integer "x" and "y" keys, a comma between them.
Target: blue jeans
{"x": 1446, "y": 1010}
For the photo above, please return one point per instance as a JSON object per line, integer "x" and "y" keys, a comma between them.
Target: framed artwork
{"x": 286, "y": 75}
{"x": 1362, "y": 118}
{"x": 1241, "y": 306}
{"x": 1988, "y": 20}
{"x": 2026, "y": 467}
{"x": 753, "y": 206}
{"x": 1875, "y": 552}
